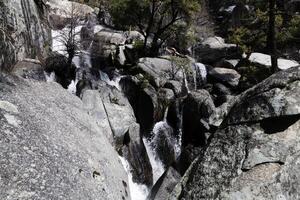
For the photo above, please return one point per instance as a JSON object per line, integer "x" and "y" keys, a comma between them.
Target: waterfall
{"x": 115, "y": 82}
{"x": 161, "y": 130}
{"x": 157, "y": 166}
{"x": 72, "y": 86}
{"x": 137, "y": 191}
{"x": 185, "y": 81}
{"x": 199, "y": 72}
{"x": 50, "y": 77}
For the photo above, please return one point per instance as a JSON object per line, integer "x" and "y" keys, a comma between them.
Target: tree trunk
{"x": 272, "y": 35}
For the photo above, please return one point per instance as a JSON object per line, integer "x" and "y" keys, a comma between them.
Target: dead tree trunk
{"x": 272, "y": 35}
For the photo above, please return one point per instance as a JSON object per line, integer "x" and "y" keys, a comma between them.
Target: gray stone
{"x": 254, "y": 155}
{"x": 159, "y": 70}
{"x": 177, "y": 87}
{"x": 109, "y": 43}
{"x": 61, "y": 11}
{"x": 164, "y": 186}
{"x": 226, "y": 76}
{"x": 135, "y": 152}
{"x": 197, "y": 107}
{"x": 213, "y": 49}
{"x": 144, "y": 101}
{"x": 271, "y": 169}
{"x": 23, "y": 34}
{"x": 52, "y": 148}
{"x": 277, "y": 96}
{"x": 114, "y": 114}
{"x": 30, "y": 69}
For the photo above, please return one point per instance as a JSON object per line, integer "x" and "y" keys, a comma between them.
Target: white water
{"x": 72, "y": 86}
{"x": 199, "y": 70}
{"x": 115, "y": 82}
{"x": 185, "y": 81}
{"x": 157, "y": 166}
{"x": 50, "y": 77}
{"x": 98, "y": 28}
{"x": 160, "y": 127}
{"x": 137, "y": 191}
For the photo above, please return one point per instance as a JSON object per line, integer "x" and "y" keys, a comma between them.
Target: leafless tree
{"x": 69, "y": 36}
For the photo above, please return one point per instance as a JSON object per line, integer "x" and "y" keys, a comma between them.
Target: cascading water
{"x": 50, "y": 77}
{"x": 137, "y": 191}
{"x": 114, "y": 82}
{"x": 162, "y": 131}
{"x": 200, "y": 74}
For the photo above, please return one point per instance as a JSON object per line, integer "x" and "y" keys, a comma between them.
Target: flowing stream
{"x": 82, "y": 61}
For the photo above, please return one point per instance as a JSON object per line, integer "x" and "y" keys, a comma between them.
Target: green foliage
{"x": 161, "y": 19}
{"x": 179, "y": 64}
{"x": 248, "y": 39}
{"x": 254, "y": 37}
{"x": 182, "y": 36}
{"x": 138, "y": 44}
{"x": 252, "y": 75}
{"x": 294, "y": 28}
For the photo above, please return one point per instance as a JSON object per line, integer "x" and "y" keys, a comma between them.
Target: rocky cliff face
{"x": 183, "y": 132}
{"x": 255, "y": 152}
{"x": 51, "y": 148}
{"x": 23, "y": 32}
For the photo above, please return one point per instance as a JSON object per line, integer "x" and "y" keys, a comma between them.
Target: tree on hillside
{"x": 155, "y": 19}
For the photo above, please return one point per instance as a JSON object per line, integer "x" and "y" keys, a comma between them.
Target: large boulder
{"x": 159, "y": 70}
{"x": 144, "y": 101}
{"x": 108, "y": 44}
{"x": 23, "y": 33}
{"x": 114, "y": 114}
{"x": 276, "y": 96}
{"x": 213, "y": 49}
{"x": 198, "y": 107}
{"x": 255, "y": 153}
{"x": 229, "y": 77}
{"x": 135, "y": 153}
{"x": 264, "y": 60}
{"x": 61, "y": 11}
{"x": 165, "y": 184}
{"x": 51, "y": 148}
{"x": 118, "y": 110}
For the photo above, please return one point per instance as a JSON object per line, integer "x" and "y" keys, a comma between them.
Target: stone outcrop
{"x": 144, "y": 101}
{"x": 255, "y": 152}
{"x": 214, "y": 49}
{"x": 23, "y": 32}
{"x": 114, "y": 114}
{"x": 159, "y": 70}
{"x": 51, "y": 148}
{"x": 229, "y": 77}
{"x": 164, "y": 185}
{"x": 60, "y": 11}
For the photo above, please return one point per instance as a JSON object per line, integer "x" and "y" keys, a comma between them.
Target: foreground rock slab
{"x": 51, "y": 148}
